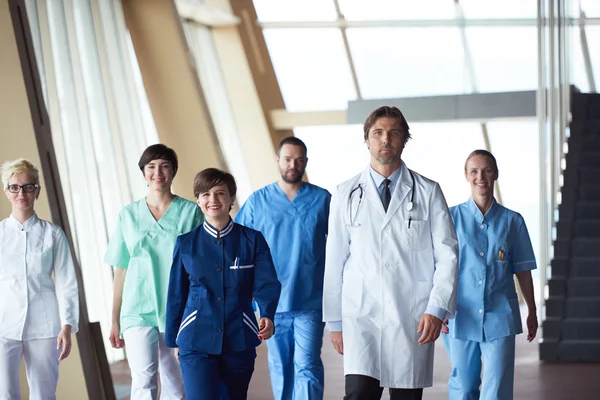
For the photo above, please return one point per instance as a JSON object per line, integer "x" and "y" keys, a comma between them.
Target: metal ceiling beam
{"x": 416, "y": 23}
{"x": 477, "y": 107}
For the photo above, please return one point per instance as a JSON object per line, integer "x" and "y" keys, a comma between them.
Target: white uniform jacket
{"x": 381, "y": 275}
{"x": 29, "y": 254}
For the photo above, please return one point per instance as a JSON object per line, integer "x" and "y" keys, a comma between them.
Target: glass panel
{"x": 97, "y": 130}
{"x": 387, "y": 10}
{"x": 404, "y": 62}
{"x": 593, "y": 39}
{"x": 577, "y": 72}
{"x": 504, "y": 59}
{"x": 201, "y": 43}
{"x": 519, "y": 173}
{"x": 295, "y": 10}
{"x": 590, "y": 7}
{"x": 343, "y": 143}
{"x": 438, "y": 151}
{"x": 311, "y": 67}
{"x": 499, "y": 8}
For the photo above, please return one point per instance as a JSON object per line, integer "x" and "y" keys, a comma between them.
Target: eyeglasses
{"x": 27, "y": 188}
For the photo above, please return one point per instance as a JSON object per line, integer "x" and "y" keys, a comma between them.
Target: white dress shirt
{"x": 29, "y": 255}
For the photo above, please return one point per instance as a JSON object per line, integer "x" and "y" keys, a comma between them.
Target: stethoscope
{"x": 409, "y": 207}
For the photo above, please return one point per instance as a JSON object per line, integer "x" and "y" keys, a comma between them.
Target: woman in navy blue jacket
{"x": 218, "y": 268}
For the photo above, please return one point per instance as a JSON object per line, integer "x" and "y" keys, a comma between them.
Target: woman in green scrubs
{"x": 141, "y": 249}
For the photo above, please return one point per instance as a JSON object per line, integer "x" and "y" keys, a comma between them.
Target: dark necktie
{"x": 386, "y": 196}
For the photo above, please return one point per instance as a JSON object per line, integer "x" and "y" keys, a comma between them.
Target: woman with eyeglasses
{"x": 141, "y": 249}
{"x": 38, "y": 314}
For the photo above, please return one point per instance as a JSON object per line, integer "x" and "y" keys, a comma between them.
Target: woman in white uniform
{"x": 32, "y": 324}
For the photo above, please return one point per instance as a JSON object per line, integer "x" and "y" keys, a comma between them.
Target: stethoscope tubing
{"x": 409, "y": 207}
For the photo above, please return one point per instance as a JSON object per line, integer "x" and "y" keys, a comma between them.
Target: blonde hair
{"x": 18, "y": 167}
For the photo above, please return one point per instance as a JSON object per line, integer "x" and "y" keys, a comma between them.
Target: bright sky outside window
{"x": 295, "y": 10}
{"x": 311, "y": 67}
{"x": 406, "y": 62}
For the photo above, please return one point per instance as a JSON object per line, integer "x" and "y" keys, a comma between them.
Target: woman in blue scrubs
{"x": 218, "y": 269}
{"x": 494, "y": 246}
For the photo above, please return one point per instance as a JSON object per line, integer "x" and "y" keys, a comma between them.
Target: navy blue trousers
{"x": 216, "y": 376}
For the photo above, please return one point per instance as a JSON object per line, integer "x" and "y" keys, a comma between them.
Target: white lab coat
{"x": 30, "y": 254}
{"x": 381, "y": 276}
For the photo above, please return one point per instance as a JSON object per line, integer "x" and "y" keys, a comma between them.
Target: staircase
{"x": 571, "y": 330}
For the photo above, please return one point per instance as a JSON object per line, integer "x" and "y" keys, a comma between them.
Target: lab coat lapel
{"x": 372, "y": 194}
{"x": 401, "y": 191}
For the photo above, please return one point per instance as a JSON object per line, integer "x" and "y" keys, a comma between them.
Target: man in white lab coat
{"x": 391, "y": 268}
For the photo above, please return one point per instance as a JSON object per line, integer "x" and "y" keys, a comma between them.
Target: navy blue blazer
{"x": 214, "y": 277}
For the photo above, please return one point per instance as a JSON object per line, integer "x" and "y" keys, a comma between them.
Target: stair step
{"x": 570, "y": 350}
{"x": 576, "y": 267}
{"x": 589, "y": 228}
{"x": 589, "y": 158}
{"x": 591, "y": 142}
{"x": 581, "y": 228}
{"x": 574, "y": 287}
{"x": 571, "y": 328}
{"x": 577, "y": 307}
{"x": 587, "y": 209}
{"x": 589, "y": 192}
{"x": 589, "y": 176}
{"x": 593, "y": 111}
{"x": 585, "y": 247}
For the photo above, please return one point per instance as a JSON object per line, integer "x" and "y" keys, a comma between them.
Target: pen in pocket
{"x": 501, "y": 255}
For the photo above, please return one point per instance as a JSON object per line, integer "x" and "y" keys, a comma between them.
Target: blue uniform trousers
{"x": 498, "y": 368}
{"x": 295, "y": 364}
{"x": 216, "y": 376}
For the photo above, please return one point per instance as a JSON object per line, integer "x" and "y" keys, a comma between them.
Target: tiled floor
{"x": 533, "y": 380}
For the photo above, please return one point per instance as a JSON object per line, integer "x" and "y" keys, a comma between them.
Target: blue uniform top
{"x": 296, "y": 232}
{"x": 492, "y": 247}
{"x": 214, "y": 278}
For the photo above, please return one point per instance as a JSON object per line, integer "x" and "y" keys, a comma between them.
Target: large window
{"x": 100, "y": 123}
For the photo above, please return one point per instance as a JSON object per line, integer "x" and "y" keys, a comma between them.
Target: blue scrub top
{"x": 296, "y": 232}
{"x": 492, "y": 247}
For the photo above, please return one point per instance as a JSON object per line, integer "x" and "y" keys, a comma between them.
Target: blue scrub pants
{"x": 216, "y": 376}
{"x": 498, "y": 368}
{"x": 295, "y": 364}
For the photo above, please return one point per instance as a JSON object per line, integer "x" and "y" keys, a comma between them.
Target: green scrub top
{"x": 144, "y": 247}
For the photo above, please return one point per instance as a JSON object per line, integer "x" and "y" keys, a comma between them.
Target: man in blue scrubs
{"x": 292, "y": 215}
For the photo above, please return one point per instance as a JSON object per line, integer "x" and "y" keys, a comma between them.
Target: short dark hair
{"x": 387, "y": 112}
{"x": 483, "y": 153}
{"x": 294, "y": 141}
{"x": 210, "y": 177}
{"x": 159, "y": 152}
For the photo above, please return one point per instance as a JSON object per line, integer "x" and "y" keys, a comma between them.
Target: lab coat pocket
{"x": 419, "y": 238}
{"x": 422, "y": 293}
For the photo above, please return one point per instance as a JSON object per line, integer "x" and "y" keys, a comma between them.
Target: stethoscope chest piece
{"x": 409, "y": 206}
